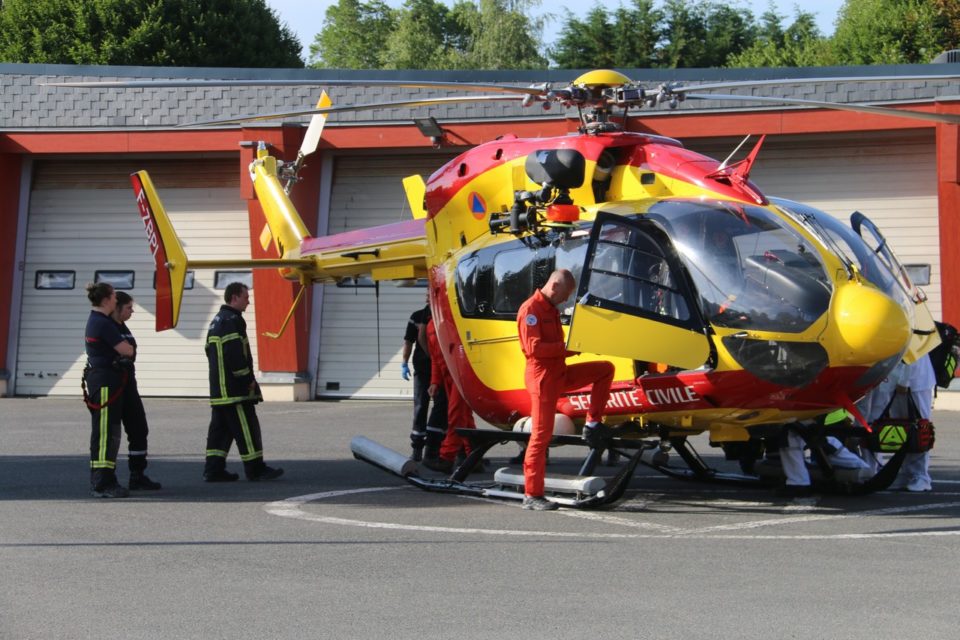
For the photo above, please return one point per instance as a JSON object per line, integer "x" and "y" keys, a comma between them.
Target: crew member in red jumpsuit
{"x": 547, "y": 376}
{"x": 459, "y": 413}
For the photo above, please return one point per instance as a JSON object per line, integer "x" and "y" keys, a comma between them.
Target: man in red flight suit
{"x": 459, "y": 413}
{"x": 547, "y": 376}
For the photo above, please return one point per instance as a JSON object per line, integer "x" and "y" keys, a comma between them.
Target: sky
{"x": 305, "y": 17}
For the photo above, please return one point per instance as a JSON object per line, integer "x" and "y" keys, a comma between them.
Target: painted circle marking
{"x": 293, "y": 508}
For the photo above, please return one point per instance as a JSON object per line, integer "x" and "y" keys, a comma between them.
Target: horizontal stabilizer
{"x": 395, "y": 251}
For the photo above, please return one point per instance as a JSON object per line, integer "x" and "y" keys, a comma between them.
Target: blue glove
{"x": 405, "y": 371}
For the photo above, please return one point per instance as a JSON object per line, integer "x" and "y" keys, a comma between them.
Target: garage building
{"x": 69, "y": 217}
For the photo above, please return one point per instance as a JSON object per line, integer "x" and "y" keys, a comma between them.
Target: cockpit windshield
{"x": 750, "y": 268}
{"x": 845, "y": 241}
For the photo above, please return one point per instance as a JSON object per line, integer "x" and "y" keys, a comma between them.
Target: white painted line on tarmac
{"x": 292, "y": 508}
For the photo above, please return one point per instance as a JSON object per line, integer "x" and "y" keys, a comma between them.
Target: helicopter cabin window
{"x": 493, "y": 282}
{"x": 628, "y": 268}
{"x": 750, "y": 268}
{"x": 467, "y": 284}
{"x": 850, "y": 246}
{"x": 570, "y": 255}
{"x": 513, "y": 279}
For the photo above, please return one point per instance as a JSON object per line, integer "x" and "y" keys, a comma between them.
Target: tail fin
{"x": 286, "y": 227}
{"x": 168, "y": 254}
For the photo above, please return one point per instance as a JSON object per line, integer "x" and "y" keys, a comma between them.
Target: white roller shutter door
{"x": 889, "y": 176}
{"x": 83, "y": 218}
{"x": 367, "y": 191}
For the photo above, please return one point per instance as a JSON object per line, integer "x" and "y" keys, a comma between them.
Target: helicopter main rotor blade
{"x": 858, "y": 108}
{"x": 786, "y": 81}
{"x": 424, "y": 102}
{"x": 403, "y": 84}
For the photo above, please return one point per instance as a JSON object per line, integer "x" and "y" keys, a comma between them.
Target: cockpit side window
{"x": 467, "y": 284}
{"x": 629, "y": 269}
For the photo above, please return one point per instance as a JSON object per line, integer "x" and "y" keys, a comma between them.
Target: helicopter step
{"x": 554, "y": 483}
{"x": 585, "y": 491}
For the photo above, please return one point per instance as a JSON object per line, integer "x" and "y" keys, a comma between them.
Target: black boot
{"x": 140, "y": 481}
{"x": 215, "y": 470}
{"x": 257, "y": 470}
{"x": 103, "y": 484}
{"x": 417, "y": 454}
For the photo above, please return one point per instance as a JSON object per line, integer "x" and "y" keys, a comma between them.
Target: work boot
{"x": 264, "y": 473}
{"x": 110, "y": 491}
{"x": 220, "y": 475}
{"x": 438, "y": 464}
{"x": 595, "y": 436}
{"x": 140, "y": 481}
{"x": 539, "y": 503}
{"x": 417, "y": 454}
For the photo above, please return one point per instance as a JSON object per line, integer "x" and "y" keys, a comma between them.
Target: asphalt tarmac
{"x": 337, "y": 548}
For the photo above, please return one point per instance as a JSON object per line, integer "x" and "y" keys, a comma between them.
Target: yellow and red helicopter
{"x": 724, "y": 310}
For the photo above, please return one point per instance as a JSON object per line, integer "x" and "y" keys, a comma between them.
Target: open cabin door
{"x": 925, "y": 336}
{"x": 634, "y": 299}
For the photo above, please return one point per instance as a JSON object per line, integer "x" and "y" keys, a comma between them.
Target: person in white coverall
{"x": 917, "y": 382}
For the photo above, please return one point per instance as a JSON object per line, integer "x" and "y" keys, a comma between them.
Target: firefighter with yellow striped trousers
{"x": 234, "y": 392}
{"x": 104, "y": 380}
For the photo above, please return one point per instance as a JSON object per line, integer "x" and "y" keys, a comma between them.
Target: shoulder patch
{"x": 531, "y": 320}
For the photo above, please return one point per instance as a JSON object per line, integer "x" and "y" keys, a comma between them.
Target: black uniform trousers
{"x": 234, "y": 422}
{"x": 105, "y": 389}
{"x": 429, "y": 432}
{"x": 135, "y": 424}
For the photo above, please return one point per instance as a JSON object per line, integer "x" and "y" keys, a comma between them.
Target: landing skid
{"x": 587, "y": 491}
{"x": 583, "y": 491}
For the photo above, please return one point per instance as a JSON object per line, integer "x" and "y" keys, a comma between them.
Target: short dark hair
{"x": 97, "y": 292}
{"x": 233, "y": 289}
{"x": 123, "y": 298}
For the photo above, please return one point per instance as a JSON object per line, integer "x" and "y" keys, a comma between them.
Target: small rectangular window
{"x": 919, "y": 274}
{"x": 55, "y": 280}
{"x": 119, "y": 279}
{"x": 222, "y": 278}
{"x": 187, "y": 281}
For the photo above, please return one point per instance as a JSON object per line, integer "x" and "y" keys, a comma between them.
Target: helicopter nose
{"x": 869, "y": 324}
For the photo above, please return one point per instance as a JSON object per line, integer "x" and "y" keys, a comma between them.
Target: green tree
{"x": 626, "y": 38}
{"x": 215, "y": 33}
{"x": 799, "y": 45}
{"x": 421, "y": 38}
{"x": 685, "y": 33}
{"x": 353, "y": 36}
{"x": 890, "y": 32}
{"x": 729, "y": 30}
{"x": 949, "y": 11}
{"x": 506, "y": 37}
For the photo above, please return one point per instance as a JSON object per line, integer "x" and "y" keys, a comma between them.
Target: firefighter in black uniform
{"x": 133, "y": 416}
{"x": 233, "y": 393}
{"x": 425, "y": 432}
{"x": 104, "y": 380}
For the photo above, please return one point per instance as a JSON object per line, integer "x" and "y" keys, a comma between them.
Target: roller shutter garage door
{"x": 360, "y": 353}
{"x": 889, "y": 176}
{"x": 83, "y": 219}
